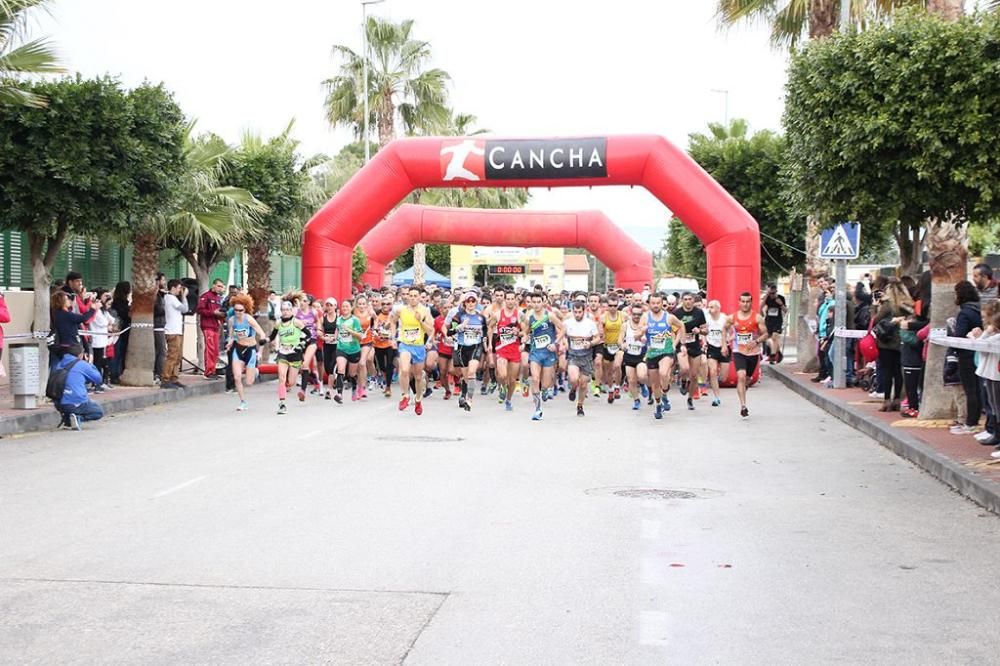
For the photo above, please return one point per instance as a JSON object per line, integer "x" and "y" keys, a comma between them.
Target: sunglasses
{"x": 238, "y": 310}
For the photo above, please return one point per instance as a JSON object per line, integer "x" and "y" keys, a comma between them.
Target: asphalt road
{"x": 356, "y": 534}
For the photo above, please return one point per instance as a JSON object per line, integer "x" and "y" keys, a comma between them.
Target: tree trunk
{"x": 947, "y": 257}
{"x": 141, "y": 346}
{"x": 259, "y": 277}
{"x": 910, "y": 241}
{"x": 419, "y": 263}
{"x": 43, "y": 252}
{"x": 823, "y": 18}
{"x": 949, "y": 10}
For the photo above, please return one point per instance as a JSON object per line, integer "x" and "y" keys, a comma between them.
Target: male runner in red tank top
{"x": 750, "y": 333}
{"x": 506, "y": 329}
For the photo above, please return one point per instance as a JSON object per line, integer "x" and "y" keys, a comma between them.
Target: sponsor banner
{"x": 504, "y": 255}
{"x": 523, "y": 159}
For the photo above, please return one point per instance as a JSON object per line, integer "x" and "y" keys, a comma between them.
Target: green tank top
{"x": 289, "y": 337}
{"x": 346, "y": 342}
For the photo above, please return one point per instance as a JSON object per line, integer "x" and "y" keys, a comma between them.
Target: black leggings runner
{"x": 892, "y": 373}
{"x": 384, "y": 359}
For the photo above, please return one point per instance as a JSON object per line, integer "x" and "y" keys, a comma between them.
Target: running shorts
{"x": 609, "y": 352}
{"x": 351, "y": 358}
{"x": 744, "y": 362}
{"x": 715, "y": 353}
{"x": 693, "y": 349}
{"x": 542, "y": 357}
{"x": 418, "y": 353}
{"x": 653, "y": 360}
{"x": 511, "y": 352}
{"x": 466, "y": 354}
{"x": 596, "y": 349}
{"x": 584, "y": 363}
{"x": 773, "y": 325}
{"x": 245, "y": 355}
{"x": 633, "y": 360}
{"x": 293, "y": 360}
{"x": 330, "y": 358}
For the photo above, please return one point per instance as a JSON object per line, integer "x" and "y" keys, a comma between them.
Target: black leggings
{"x": 384, "y": 359}
{"x": 101, "y": 363}
{"x": 992, "y": 390}
{"x": 970, "y": 384}
{"x": 912, "y": 378}
{"x": 892, "y": 373}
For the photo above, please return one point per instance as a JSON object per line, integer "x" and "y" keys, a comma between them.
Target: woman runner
{"x": 349, "y": 334}
{"x": 244, "y": 331}
{"x": 291, "y": 340}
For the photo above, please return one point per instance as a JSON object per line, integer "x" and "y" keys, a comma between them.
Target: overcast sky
{"x": 524, "y": 67}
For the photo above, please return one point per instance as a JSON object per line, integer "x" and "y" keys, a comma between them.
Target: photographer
{"x": 174, "y": 307}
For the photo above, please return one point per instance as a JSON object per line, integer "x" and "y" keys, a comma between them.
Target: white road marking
{"x": 653, "y": 628}
{"x": 651, "y": 572}
{"x": 650, "y": 529}
{"x": 311, "y": 434}
{"x": 651, "y": 476}
{"x": 180, "y": 486}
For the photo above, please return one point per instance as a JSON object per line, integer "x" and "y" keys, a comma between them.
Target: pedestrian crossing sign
{"x": 841, "y": 242}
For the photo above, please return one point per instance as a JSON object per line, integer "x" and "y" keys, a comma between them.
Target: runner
{"x": 613, "y": 355}
{"x": 244, "y": 332}
{"x": 328, "y": 329}
{"x": 445, "y": 352}
{"x": 349, "y": 335}
{"x": 385, "y": 352}
{"x": 490, "y": 309}
{"x": 663, "y": 332}
{"x": 469, "y": 335}
{"x": 545, "y": 331}
{"x": 307, "y": 316}
{"x": 717, "y": 349}
{"x": 750, "y": 333}
{"x": 582, "y": 334}
{"x": 414, "y": 323}
{"x": 774, "y": 310}
{"x": 366, "y": 366}
{"x": 594, "y": 313}
{"x": 690, "y": 355}
{"x": 505, "y": 329}
{"x": 289, "y": 331}
{"x": 632, "y": 341}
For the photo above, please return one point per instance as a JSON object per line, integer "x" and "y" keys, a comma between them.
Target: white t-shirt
{"x": 987, "y": 367}
{"x": 174, "y": 308}
{"x": 580, "y": 332}
{"x": 99, "y": 326}
{"x": 715, "y": 328}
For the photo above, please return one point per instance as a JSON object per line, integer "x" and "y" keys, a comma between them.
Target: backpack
{"x": 56, "y": 386}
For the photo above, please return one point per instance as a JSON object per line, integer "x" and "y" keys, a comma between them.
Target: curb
{"x": 982, "y": 491}
{"x": 47, "y": 418}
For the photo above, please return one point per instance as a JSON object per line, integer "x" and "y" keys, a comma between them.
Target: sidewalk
{"x": 116, "y": 401}
{"x": 958, "y": 461}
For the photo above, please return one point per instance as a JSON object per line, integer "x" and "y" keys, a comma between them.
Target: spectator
{"x": 75, "y": 405}
{"x": 174, "y": 306}
{"x": 74, "y": 287}
{"x": 988, "y": 373}
{"x": 99, "y": 328}
{"x": 210, "y": 316}
{"x": 122, "y": 311}
{"x": 233, "y": 290}
{"x": 4, "y": 319}
{"x": 895, "y": 303}
{"x": 911, "y": 347}
{"x": 860, "y": 321}
{"x": 65, "y": 325}
{"x": 968, "y": 319}
{"x": 824, "y": 333}
{"x": 982, "y": 277}
{"x": 159, "y": 321}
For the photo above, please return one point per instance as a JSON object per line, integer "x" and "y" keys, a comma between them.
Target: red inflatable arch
{"x": 592, "y": 230}
{"x": 729, "y": 233}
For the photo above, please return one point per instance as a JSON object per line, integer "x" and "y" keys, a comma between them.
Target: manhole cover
{"x": 656, "y": 493}
{"x": 417, "y": 438}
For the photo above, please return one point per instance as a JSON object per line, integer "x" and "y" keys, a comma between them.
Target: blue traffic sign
{"x": 841, "y": 242}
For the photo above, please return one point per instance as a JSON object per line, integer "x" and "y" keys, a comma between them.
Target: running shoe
{"x": 362, "y": 393}
{"x": 637, "y": 404}
{"x": 981, "y": 437}
{"x": 302, "y": 396}
{"x": 596, "y": 391}
{"x": 74, "y": 422}
{"x": 447, "y": 395}
{"x": 493, "y": 387}
{"x": 503, "y": 394}
{"x": 618, "y": 393}
{"x": 467, "y": 406}
{"x": 962, "y": 430}
{"x": 387, "y": 392}
{"x": 428, "y": 391}
{"x": 483, "y": 389}
{"x": 329, "y": 395}
{"x": 579, "y": 410}
{"x": 690, "y": 402}
{"x": 650, "y": 399}
{"x": 545, "y": 395}
{"x": 339, "y": 399}
{"x": 644, "y": 390}
{"x": 507, "y": 406}
{"x": 537, "y": 416}
{"x": 572, "y": 394}
{"x": 658, "y": 414}
{"x": 242, "y": 406}
{"x": 418, "y": 409}
{"x": 404, "y": 403}
{"x": 282, "y": 408}
{"x": 912, "y": 414}
{"x": 524, "y": 390}
{"x": 684, "y": 386}
{"x": 744, "y": 412}
{"x": 611, "y": 397}
{"x": 355, "y": 396}
{"x": 316, "y": 390}
{"x": 461, "y": 402}
{"x": 716, "y": 402}
{"x": 665, "y": 401}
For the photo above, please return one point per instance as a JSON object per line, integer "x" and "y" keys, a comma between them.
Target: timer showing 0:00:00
{"x": 506, "y": 270}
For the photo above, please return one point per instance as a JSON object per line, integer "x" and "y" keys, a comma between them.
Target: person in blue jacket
{"x": 76, "y": 406}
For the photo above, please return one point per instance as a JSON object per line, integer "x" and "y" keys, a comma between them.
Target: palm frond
{"x": 35, "y": 57}
{"x": 11, "y": 94}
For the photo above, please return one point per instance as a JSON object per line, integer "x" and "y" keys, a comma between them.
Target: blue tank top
{"x": 543, "y": 332}
{"x": 470, "y": 328}
{"x": 242, "y": 330}
{"x": 658, "y": 334}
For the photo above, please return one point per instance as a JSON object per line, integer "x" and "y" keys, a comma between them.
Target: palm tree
{"x": 34, "y": 57}
{"x": 204, "y": 221}
{"x": 400, "y": 89}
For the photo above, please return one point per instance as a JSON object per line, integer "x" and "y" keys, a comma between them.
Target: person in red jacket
{"x": 210, "y": 316}
{"x": 4, "y": 319}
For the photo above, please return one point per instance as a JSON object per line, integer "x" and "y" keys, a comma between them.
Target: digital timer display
{"x": 506, "y": 270}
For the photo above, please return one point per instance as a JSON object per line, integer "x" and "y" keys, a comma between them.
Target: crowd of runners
{"x": 500, "y": 344}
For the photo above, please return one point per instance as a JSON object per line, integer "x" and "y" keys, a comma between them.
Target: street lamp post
{"x": 364, "y": 60}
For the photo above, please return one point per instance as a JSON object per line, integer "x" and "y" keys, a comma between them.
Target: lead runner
{"x": 750, "y": 333}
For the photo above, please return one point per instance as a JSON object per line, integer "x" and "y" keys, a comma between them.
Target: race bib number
{"x": 689, "y": 338}
{"x": 634, "y": 348}
{"x": 330, "y": 339}
{"x": 473, "y": 336}
{"x": 612, "y": 349}
{"x": 411, "y": 335}
{"x": 507, "y": 338}
{"x": 242, "y": 334}
{"x": 715, "y": 338}
{"x": 658, "y": 342}
{"x": 285, "y": 349}
{"x": 383, "y": 332}
{"x": 744, "y": 339}
{"x": 543, "y": 341}
{"x": 578, "y": 344}
{"x": 773, "y": 312}
{"x": 345, "y": 337}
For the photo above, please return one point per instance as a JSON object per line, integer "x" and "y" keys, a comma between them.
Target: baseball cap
{"x": 331, "y": 301}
